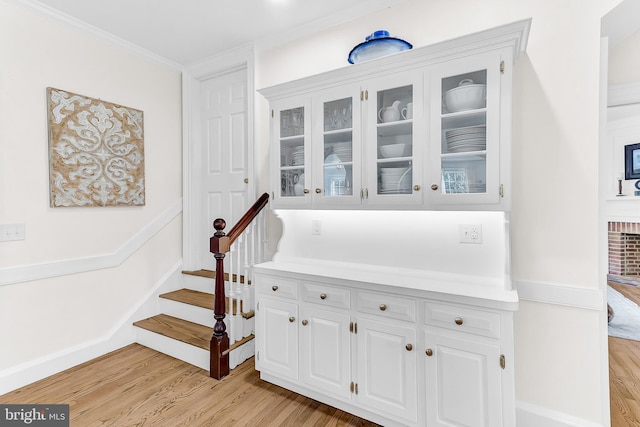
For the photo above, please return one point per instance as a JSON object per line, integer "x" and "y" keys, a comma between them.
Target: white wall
{"x": 624, "y": 61}
{"x": 41, "y": 317}
{"x": 555, "y": 145}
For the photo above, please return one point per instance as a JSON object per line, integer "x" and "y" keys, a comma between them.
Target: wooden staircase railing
{"x": 219, "y": 244}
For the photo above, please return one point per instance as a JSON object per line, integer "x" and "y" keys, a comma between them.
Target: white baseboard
{"x": 121, "y": 335}
{"x": 530, "y": 415}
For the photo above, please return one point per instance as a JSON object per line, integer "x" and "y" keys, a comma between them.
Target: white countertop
{"x": 484, "y": 291}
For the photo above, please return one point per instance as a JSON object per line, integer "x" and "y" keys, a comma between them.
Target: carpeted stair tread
{"x": 178, "y": 329}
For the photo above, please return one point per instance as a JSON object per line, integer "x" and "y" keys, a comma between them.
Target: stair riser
{"x": 178, "y": 349}
{"x": 197, "y": 283}
{"x": 242, "y": 353}
{"x": 191, "y": 354}
{"x": 188, "y": 312}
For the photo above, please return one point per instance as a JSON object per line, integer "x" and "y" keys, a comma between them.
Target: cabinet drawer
{"x": 278, "y": 287}
{"x": 387, "y": 306}
{"x": 464, "y": 319}
{"x": 326, "y": 295}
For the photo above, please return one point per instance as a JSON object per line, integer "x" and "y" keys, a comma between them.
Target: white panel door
{"x": 225, "y": 151}
{"x": 387, "y": 367}
{"x": 325, "y": 351}
{"x": 463, "y": 380}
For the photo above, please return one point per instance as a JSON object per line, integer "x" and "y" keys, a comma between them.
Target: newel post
{"x": 219, "y": 347}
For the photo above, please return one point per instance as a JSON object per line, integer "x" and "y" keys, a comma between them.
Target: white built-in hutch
{"x": 389, "y": 295}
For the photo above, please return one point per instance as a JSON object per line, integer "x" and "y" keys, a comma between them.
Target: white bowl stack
{"x": 394, "y": 150}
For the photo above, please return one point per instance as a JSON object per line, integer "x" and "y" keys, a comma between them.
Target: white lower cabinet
{"x": 277, "y": 337}
{"x": 388, "y": 356}
{"x": 387, "y": 380}
{"x": 464, "y": 382}
{"x": 325, "y": 351}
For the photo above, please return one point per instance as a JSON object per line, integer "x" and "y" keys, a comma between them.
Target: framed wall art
{"x": 96, "y": 152}
{"x": 632, "y": 161}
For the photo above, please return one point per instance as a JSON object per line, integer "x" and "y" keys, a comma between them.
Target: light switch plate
{"x": 11, "y": 232}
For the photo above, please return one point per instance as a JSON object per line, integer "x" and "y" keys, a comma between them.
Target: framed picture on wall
{"x": 632, "y": 161}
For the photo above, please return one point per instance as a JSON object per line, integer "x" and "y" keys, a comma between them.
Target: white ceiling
{"x": 187, "y": 31}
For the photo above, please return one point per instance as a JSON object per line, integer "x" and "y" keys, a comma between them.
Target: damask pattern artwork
{"x": 96, "y": 152}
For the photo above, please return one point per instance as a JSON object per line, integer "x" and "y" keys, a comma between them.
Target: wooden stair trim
{"x": 210, "y": 274}
{"x": 191, "y": 297}
{"x": 239, "y": 343}
{"x": 203, "y": 300}
{"x": 178, "y": 329}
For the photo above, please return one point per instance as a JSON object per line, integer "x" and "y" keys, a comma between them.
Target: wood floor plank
{"x": 137, "y": 386}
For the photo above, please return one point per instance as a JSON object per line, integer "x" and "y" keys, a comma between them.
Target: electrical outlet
{"x": 470, "y": 233}
{"x": 315, "y": 227}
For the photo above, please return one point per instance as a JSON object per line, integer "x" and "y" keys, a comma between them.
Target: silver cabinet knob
{"x": 323, "y": 296}
{"x": 274, "y": 288}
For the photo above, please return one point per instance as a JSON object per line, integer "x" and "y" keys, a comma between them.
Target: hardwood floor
{"x": 137, "y": 386}
{"x": 624, "y": 371}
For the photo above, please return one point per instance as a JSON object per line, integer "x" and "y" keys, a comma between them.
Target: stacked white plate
{"x": 297, "y": 156}
{"x": 395, "y": 179}
{"x": 473, "y": 138}
{"x": 343, "y": 151}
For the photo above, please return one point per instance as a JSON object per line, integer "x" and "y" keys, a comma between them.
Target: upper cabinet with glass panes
{"x": 428, "y": 128}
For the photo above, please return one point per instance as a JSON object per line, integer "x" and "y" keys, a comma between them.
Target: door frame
{"x": 193, "y": 232}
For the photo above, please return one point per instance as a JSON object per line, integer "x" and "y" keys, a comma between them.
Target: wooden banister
{"x": 248, "y": 217}
{"x": 219, "y": 245}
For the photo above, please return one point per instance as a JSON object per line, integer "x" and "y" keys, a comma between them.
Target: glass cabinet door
{"x": 337, "y": 155}
{"x": 393, "y": 175}
{"x": 291, "y": 126}
{"x": 465, "y": 132}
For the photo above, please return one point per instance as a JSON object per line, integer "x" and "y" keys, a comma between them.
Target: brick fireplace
{"x": 624, "y": 252}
